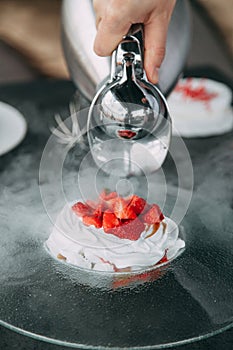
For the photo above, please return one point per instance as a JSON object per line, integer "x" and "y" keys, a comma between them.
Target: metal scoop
{"x": 129, "y": 126}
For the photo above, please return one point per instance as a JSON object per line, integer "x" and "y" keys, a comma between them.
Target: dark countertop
{"x": 42, "y": 99}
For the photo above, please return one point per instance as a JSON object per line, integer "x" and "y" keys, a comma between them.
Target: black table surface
{"x": 42, "y": 99}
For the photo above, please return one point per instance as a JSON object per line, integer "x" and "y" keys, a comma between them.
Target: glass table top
{"x": 188, "y": 299}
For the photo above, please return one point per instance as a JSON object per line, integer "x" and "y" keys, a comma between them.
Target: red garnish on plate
{"x": 198, "y": 93}
{"x": 123, "y": 217}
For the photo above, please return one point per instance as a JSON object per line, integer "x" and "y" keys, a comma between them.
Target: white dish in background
{"x": 13, "y": 128}
{"x": 201, "y": 107}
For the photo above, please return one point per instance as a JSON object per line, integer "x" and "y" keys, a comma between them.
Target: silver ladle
{"x": 129, "y": 126}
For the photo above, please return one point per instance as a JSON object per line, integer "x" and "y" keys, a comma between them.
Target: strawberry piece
{"x": 81, "y": 209}
{"x": 118, "y": 215}
{"x": 122, "y": 210}
{"x": 130, "y": 229}
{"x": 92, "y": 220}
{"x": 108, "y": 199}
{"x": 137, "y": 204}
{"x": 99, "y": 210}
{"x": 110, "y": 204}
{"x": 109, "y": 221}
{"x": 153, "y": 215}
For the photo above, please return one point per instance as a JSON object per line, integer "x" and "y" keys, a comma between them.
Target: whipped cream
{"x": 201, "y": 114}
{"x": 92, "y": 248}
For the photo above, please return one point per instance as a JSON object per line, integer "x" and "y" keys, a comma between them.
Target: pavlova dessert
{"x": 201, "y": 107}
{"x": 114, "y": 234}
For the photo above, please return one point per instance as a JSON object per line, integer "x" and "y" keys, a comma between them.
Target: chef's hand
{"x": 115, "y": 17}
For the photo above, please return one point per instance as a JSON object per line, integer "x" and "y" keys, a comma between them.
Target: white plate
{"x": 13, "y": 128}
{"x": 195, "y": 116}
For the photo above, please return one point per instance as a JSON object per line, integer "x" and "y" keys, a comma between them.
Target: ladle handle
{"x": 132, "y": 43}
{"x": 136, "y": 29}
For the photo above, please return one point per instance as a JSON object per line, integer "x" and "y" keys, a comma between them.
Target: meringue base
{"x": 90, "y": 248}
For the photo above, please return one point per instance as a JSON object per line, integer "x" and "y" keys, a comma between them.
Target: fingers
{"x": 112, "y": 25}
{"x": 109, "y": 36}
{"x": 155, "y": 47}
{"x": 99, "y": 8}
{"x": 156, "y": 29}
{"x": 114, "y": 18}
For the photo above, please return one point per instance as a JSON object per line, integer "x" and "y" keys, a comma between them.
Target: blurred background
{"x": 30, "y": 49}
{"x": 30, "y": 46}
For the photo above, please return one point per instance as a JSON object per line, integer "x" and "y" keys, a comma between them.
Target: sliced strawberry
{"x": 81, "y": 209}
{"x": 122, "y": 210}
{"x": 153, "y": 215}
{"x": 92, "y": 220}
{"x": 130, "y": 229}
{"x": 109, "y": 221}
{"x": 110, "y": 204}
{"x": 108, "y": 199}
{"x": 99, "y": 210}
{"x": 118, "y": 215}
{"x": 137, "y": 204}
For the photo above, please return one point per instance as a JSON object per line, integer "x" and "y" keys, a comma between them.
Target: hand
{"x": 115, "y": 17}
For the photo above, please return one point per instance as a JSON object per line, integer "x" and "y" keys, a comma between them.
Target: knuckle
{"x": 160, "y": 51}
{"x": 118, "y": 13}
{"x": 112, "y": 17}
